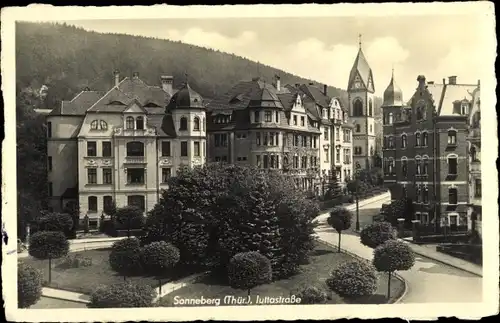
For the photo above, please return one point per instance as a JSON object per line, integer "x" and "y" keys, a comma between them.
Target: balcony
{"x": 134, "y": 160}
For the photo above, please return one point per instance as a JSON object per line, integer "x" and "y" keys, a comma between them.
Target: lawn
{"x": 47, "y": 302}
{"x": 323, "y": 260}
{"x": 85, "y": 279}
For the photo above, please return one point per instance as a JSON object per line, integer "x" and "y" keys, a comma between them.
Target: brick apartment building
{"x": 426, "y": 151}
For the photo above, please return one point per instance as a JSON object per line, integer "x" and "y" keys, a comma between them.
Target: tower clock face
{"x": 357, "y": 85}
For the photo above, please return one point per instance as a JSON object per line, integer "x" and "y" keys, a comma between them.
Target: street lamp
{"x": 357, "y": 195}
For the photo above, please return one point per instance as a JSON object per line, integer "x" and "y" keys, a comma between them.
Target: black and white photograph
{"x": 249, "y": 162}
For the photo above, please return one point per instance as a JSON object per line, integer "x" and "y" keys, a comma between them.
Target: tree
{"x": 110, "y": 209}
{"x": 400, "y": 208}
{"x": 377, "y": 233}
{"x": 334, "y": 190}
{"x": 29, "y": 285}
{"x": 54, "y": 221}
{"x": 122, "y": 295}
{"x": 391, "y": 256}
{"x": 340, "y": 219}
{"x": 353, "y": 279}
{"x": 247, "y": 270}
{"x": 125, "y": 257}
{"x": 160, "y": 256}
{"x": 48, "y": 245}
{"x": 129, "y": 217}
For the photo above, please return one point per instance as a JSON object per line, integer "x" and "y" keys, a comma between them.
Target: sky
{"x": 324, "y": 48}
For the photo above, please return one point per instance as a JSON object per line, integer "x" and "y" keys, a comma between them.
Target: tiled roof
{"x": 287, "y": 100}
{"x": 185, "y": 97}
{"x": 362, "y": 67}
{"x": 316, "y": 94}
{"x": 113, "y": 101}
{"x": 79, "y": 105}
{"x": 393, "y": 96}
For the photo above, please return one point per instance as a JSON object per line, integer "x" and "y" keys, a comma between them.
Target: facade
{"x": 361, "y": 95}
{"x": 288, "y": 128}
{"x": 122, "y": 145}
{"x": 426, "y": 152}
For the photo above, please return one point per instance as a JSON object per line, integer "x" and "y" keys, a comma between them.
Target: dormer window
{"x": 129, "y": 123}
{"x": 103, "y": 124}
{"x": 93, "y": 125}
{"x": 464, "y": 108}
{"x": 139, "y": 123}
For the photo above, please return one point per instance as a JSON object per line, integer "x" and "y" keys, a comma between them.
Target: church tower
{"x": 361, "y": 92}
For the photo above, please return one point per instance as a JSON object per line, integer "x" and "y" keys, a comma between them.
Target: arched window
{"x": 425, "y": 138}
{"x": 452, "y": 196}
{"x": 370, "y": 108}
{"x": 391, "y": 166}
{"x": 358, "y": 108}
{"x": 418, "y": 164}
{"x": 391, "y": 142}
{"x": 404, "y": 141}
{"x": 184, "y": 124}
{"x": 425, "y": 169}
{"x": 417, "y": 139}
{"x": 139, "y": 123}
{"x": 420, "y": 113}
{"x": 385, "y": 143}
{"x": 196, "y": 126}
{"x": 104, "y": 125}
{"x": 404, "y": 166}
{"x": 452, "y": 164}
{"x": 391, "y": 118}
{"x": 129, "y": 123}
{"x": 93, "y": 125}
{"x": 358, "y": 128}
{"x": 135, "y": 149}
{"x": 285, "y": 161}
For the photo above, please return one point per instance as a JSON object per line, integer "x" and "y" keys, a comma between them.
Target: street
{"x": 428, "y": 281}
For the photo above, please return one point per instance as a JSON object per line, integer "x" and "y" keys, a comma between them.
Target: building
{"x": 426, "y": 150}
{"x": 288, "y": 128}
{"x": 361, "y": 94}
{"x": 474, "y": 139}
{"x": 122, "y": 145}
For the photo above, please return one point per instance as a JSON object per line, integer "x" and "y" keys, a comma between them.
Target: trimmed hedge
{"x": 60, "y": 222}
{"x": 29, "y": 285}
{"x": 122, "y": 295}
{"x": 312, "y": 295}
{"x": 393, "y": 255}
{"x": 125, "y": 257}
{"x": 353, "y": 279}
{"x": 48, "y": 245}
{"x": 247, "y": 270}
{"x": 159, "y": 256}
{"x": 377, "y": 233}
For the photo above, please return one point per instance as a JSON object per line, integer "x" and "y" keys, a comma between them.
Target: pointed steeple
{"x": 361, "y": 72}
{"x": 393, "y": 96}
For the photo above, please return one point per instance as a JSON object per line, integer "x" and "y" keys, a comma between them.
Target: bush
{"x": 61, "y": 222}
{"x": 108, "y": 227}
{"x": 129, "y": 218}
{"x": 29, "y": 285}
{"x": 393, "y": 255}
{"x": 125, "y": 257}
{"x": 247, "y": 270}
{"x": 159, "y": 256}
{"x": 122, "y": 295}
{"x": 312, "y": 295}
{"x": 377, "y": 233}
{"x": 353, "y": 279}
{"x": 48, "y": 245}
{"x": 76, "y": 261}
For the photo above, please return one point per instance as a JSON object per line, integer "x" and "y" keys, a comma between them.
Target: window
{"x": 302, "y": 121}
{"x": 166, "y": 149}
{"x": 463, "y": 109}
{"x": 197, "y": 148}
{"x": 91, "y": 148}
{"x": 295, "y": 161}
{"x": 303, "y": 162}
{"x": 294, "y": 120}
{"x": 183, "y": 124}
{"x": 257, "y": 116}
{"x": 417, "y": 139}
{"x": 358, "y": 108}
{"x": 425, "y": 138}
{"x": 337, "y": 156}
{"x": 92, "y": 200}
{"x": 358, "y": 128}
{"x": 135, "y": 175}
{"x": 452, "y": 165}
{"x": 391, "y": 118}
{"x": 404, "y": 167}
{"x": 196, "y": 126}
{"x": 404, "y": 141}
{"x": 418, "y": 164}
{"x": 103, "y": 124}
{"x": 271, "y": 139}
{"x": 129, "y": 123}
{"x": 370, "y": 108}
{"x": 107, "y": 202}
{"x": 326, "y": 155}
{"x": 477, "y": 188}
{"x": 106, "y": 148}
{"x": 137, "y": 201}
{"x": 258, "y": 161}
{"x": 135, "y": 149}
{"x": 166, "y": 173}
{"x": 347, "y": 136}
{"x": 49, "y": 189}
{"x": 92, "y": 175}
{"x": 337, "y": 134}
{"x": 266, "y": 161}
{"x": 220, "y": 140}
{"x": 371, "y": 128}
{"x": 418, "y": 194}
{"x": 268, "y": 116}
{"x": 257, "y": 137}
{"x": 184, "y": 149}
{"x": 265, "y": 139}
{"x": 49, "y": 129}
{"x": 452, "y": 196}
{"x": 277, "y": 117}
{"x": 107, "y": 176}
{"x": 473, "y": 154}
{"x": 391, "y": 142}
{"x": 390, "y": 167}
{"x": 325, "y": 134}
{"x": 452, "y": 138}
{"x": 49, "y": 163}
{"x": 425, "y": 169}
{"x": 425, "y": 195}
{"x": 322, "y": 113}
{"x": 420, "y": 113}
{"x": 93, "y": 125}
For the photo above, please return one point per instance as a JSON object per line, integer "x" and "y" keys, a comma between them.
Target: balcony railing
{"x": 135, "y": 160}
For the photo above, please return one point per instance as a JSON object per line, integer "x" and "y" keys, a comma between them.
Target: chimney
{"x": 135, "y": 76}
{"x": 444, "y": 81}
{"x": 478, "y": 82}
{"x": 278, "y": 83}
{"x": 86, "y": 89}
{"x": 325, "y": 89}
{"x": 116, "y": 73}
{"x": 430, "y": 82}
{"x": 452, "y": 80}
{"x": 167, "y": 83}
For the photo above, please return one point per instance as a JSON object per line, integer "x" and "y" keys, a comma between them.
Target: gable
{"x": 357, "y": 83}
{"x": 371, "y": 87}
{"x": 134, "y": 108}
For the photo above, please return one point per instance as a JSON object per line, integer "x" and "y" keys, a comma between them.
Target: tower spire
{"x": 359, "y": 40}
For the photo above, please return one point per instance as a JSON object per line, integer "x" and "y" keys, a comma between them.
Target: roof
{"x": 185, "y": 98}
{"x": 79, "y": 105}
{"x": 393, "y": 96}
{"x": 452, "y": 93}
{"x": 361, "y": 68}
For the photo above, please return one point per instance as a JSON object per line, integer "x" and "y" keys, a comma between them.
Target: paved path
{"x": 428, "y": 281}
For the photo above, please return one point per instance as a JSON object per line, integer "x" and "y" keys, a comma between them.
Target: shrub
{"x": 312, "y": 295}
{"x": 129, "y": 218}
{"x": 125, "y": 257}
{"x": 48, "y": 245}
{"x": 122, "y": 295}
{"x": 377, "y": 233}
{"x": 76, "y": 261}
{"x": 61, "y": 222}
{"x": 159, "y": 256}
{"x": 29, "y": 285}
{"x": 353, "y": 279}
{"x": 340, "y": 219}
{"x": 247, "y": 270}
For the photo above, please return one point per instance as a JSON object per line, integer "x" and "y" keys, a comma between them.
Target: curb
{"x": 395, "y": 274}
{"x": 67, "y": 299}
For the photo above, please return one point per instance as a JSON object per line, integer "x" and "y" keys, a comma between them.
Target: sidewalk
{"x": 172, "y": 286}
{"x": 65, "y": 295}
